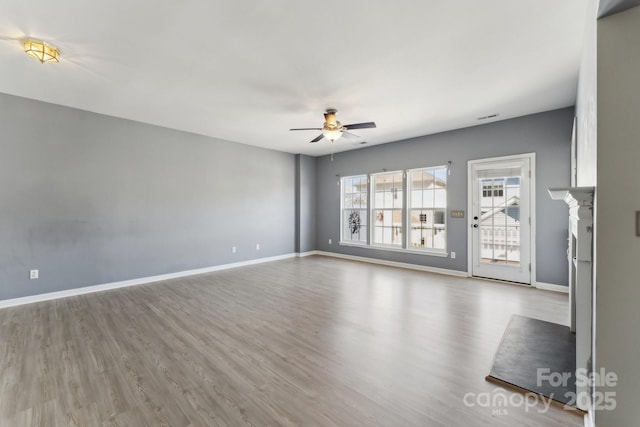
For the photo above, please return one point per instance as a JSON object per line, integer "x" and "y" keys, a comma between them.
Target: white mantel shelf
{"x": 573, "y": 196}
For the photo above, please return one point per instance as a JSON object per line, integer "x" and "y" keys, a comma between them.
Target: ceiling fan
{"x": 333, "y": 129}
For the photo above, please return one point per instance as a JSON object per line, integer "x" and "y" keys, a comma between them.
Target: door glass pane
{"x": 513, "y": 195}
{"x": 513, "y": 245}
{"x": 500, "y": 221}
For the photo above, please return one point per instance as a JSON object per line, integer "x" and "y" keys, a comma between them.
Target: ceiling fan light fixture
{"x": 332, "y": 134}
{"x": 332, "y": 129}
{"x": 330, "y": 118}
{"x": 42, "y": 51}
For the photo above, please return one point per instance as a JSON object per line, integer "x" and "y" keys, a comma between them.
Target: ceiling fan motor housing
{"x": 331, "y": 122}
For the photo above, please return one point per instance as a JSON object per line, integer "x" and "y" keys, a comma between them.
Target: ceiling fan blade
{"x": 361, "y": 125}
{"x": 317, "y": 138}
{"x": 350, "y": 135}
{"x": 307, "y": 129}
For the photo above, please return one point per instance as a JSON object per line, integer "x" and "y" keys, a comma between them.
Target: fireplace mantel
{"x": 573, "y": 196}
{"x": 580, "y": 257}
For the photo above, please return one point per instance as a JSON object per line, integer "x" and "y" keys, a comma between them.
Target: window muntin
{"x": 428, "y": 208}
{"x": 500, "y": 221}
{"x": 419, "y": 204}
{"x": 388, "y": 204}
{"x": 354, "y": 209}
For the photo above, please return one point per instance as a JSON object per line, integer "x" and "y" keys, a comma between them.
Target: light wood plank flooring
{"x": 307, "y": 342}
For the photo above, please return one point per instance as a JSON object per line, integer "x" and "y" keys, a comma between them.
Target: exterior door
{"x": 500, "y": 218}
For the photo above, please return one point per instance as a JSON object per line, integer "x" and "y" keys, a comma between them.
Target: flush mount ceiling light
{"x": 41, "y": 51}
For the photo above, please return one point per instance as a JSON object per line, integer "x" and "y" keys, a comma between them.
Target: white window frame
{"x": 404, "y": 248}
{"x": 343, "y": 240}
{"x": 408, "y": 208}
{"x": 372, "y": 208}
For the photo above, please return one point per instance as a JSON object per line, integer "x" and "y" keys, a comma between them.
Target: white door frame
{"x": 532, "y": 208}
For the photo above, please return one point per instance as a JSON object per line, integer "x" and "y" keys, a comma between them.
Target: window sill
{"x": 401, "y": 250}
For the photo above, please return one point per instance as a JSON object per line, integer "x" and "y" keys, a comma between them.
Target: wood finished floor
{"x": 311, "y": 342}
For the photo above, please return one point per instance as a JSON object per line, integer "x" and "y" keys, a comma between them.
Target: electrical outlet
{"x": 329, "y": 241}
{"x": 257, "y": 246}
{"x": 233, "y": 250}
{"x": 453, "y": 255}
{"x": 33, "y": 274}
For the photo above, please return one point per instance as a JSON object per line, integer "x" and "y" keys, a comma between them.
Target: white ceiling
{"x": 247, "y": 71}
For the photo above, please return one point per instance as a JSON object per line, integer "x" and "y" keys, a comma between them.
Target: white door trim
{"x": 532, "y": 204}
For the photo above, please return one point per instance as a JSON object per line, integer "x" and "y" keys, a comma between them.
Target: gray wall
{"x": 89, "y": 199}
{"x": 618, "y": 199}
{"x": 305, "y": 203}
{"x": 547, "y": 134}
{"x": 609, "y": 7}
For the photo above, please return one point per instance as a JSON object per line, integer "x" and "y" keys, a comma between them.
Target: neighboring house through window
{"x": 354, "y": 209}
{"x": 500, "y": 220}
{"x": 415, "y": 199}
{"x": 428, "y": 208}
{"x": 388, "y": 202}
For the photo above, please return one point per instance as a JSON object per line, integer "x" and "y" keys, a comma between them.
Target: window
{"x": 354, "y": 209}
{"x": 404, "y": 214}
{"x": 495, "y": 189}
{"x": 388, "y": 201}
{"x": 428, "y": 208}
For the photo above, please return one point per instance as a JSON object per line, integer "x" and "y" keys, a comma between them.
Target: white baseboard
{"x": 133, "y": 282}
{"x": 552, "y": 287}
{"x": 395, "y": 264}
{"x": 309, "y": 253}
